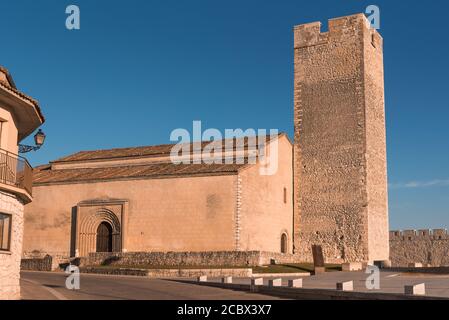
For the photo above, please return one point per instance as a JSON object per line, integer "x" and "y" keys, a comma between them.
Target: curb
{"x": 271, "y": 275}
{"x": 313, "y": 294}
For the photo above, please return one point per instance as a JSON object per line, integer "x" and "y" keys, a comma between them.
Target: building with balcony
{"x": 20, "y": 116}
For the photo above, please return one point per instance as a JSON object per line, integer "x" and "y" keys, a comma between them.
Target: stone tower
{"x": 340, "y": 142}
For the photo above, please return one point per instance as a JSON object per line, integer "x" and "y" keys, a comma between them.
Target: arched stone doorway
{"x": 86, "y": 221}
{"x": 104, "y": 237}
{"x": 99, "y": 231}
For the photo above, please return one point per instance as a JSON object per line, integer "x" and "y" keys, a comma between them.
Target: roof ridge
{"x": 78, "y": 156}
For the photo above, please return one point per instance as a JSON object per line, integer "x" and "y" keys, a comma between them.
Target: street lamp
{"x": 39, "y": 139}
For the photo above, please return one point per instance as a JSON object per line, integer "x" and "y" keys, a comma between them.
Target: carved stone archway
{"x": 90, "y": 214}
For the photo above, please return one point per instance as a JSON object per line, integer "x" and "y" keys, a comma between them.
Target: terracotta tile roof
{"x": 9, "y": 77}
{"x": 44, "y": 174}
{"x": 118, "y": 153}
{"x": 157, "y": 150}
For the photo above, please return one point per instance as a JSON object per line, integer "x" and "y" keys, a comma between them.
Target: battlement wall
{"x": 426, "y": 246}
{"x": 422, "y": 234}
{"x": 310, "y": 34}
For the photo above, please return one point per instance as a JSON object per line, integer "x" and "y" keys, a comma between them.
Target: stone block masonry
{"x": 187, "y": 259}
{"x": 172, "y": 273}
{"x": 340, "y": 174}
{"x": 10, "y": 260}
{"x": 427, "y": 247}
{"x": 40, "y": 261}
{"x": 37, "y": 264}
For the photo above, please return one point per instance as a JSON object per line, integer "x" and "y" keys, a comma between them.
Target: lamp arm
{"x": 24, "y": 148}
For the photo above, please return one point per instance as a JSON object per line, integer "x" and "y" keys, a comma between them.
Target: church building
{"x": 329, "y": 189}
{"x": 138, "y": 200}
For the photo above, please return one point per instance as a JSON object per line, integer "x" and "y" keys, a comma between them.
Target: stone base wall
{"x": 37, "y": 264}
{"x": 35, "y": 261}
{"x": 10, "y": 260}
{"x": 428, "y": 247}
{"x": 171, "y": 273}
{"x": 187, "y": 259}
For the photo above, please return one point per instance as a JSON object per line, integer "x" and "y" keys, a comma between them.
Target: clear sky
{"x": 139, "y": 69}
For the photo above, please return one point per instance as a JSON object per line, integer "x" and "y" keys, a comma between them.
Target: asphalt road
{"x": 51, "y": 286}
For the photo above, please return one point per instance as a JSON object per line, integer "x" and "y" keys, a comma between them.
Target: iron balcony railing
{"x": 15, "y": 171}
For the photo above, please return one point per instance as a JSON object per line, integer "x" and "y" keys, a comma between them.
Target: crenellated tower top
{"x": 310, "y": 34}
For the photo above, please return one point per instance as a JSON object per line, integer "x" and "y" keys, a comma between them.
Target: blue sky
{"x": 139, "y": 69}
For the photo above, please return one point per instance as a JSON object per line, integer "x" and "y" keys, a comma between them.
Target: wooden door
{"x": 104, "y": 237}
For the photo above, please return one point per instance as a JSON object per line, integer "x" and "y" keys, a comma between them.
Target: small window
{"x": 284, "y": 243}
{"x": 285, "y": 195}
{"x": 373, "y": 40}
{"x": 5, "y": 232}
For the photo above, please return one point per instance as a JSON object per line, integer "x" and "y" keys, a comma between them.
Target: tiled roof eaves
{"x": 161, "y": 176}
{"x": 25, "y": 97}
{"x": 8, "y": 76}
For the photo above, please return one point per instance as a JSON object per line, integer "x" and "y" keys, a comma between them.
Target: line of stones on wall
{"x": 433, "y": 234}
{"x": 238, "y": 210}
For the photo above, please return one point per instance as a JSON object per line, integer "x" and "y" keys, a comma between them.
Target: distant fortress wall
{"x": 429, "y": 247}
